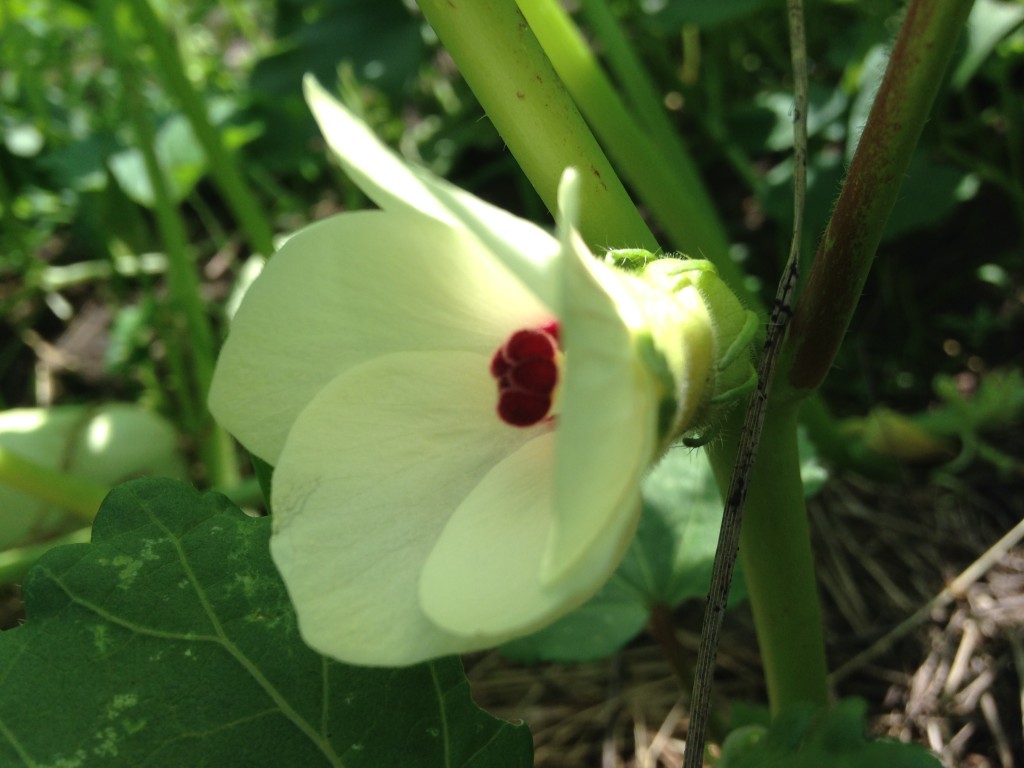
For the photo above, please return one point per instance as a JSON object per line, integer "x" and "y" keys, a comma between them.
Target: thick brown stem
{"x": 911, "y": 81}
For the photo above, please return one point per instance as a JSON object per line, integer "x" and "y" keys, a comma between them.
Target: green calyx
{"x": 701, "y": 335}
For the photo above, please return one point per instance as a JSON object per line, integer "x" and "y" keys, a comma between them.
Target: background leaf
{"x": 381, "y": 41}
{"x": 672, "y": 15}
{"x": 990, "y": 21}
{"x": 170, "y": 641}
{"x": 179, "y": 153}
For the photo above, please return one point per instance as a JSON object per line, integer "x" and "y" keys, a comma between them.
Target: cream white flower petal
{"x": 607, "y": 430}
{"x": 483, "y": 576}
{"x": 682, "y": 327}
{"x": 392, "y": 184}
{"x": 370, "y": 474}
{"x": 346, "y": 290}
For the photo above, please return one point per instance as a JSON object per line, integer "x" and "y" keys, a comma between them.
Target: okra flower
{"x": 459, "y": 408}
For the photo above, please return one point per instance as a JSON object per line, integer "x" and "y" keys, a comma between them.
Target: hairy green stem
{"x": 646, "y": 102}
{"x": 223, "y": 167}
{"x": 76, "y": 494}
{"x": 775, "y": 548}
{"x": 916, "y": 66}
{"x": 656, "y": 164}
{"x": 503, "y": 63}
{"x": 629, "y": 71}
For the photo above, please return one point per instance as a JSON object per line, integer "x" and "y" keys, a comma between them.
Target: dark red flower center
{"x": 526, "y": 367}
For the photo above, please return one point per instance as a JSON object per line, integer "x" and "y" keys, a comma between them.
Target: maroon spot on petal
{"x": 524, "y": 344}
{"x": 522, "y": 409}
{"x": 499, "y": 365}
{"x": 552, "y": 330}
{"x": 536, "y": 375}
{"x": 526, "y": 368}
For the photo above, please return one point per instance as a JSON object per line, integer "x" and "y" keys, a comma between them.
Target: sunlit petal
{"x": 606, "y": 392}
{"x": 347, "y": 290}
{"x": 372, "y": 471}
{"x": 484, "y": 574}
{"x": 527, "y": 250}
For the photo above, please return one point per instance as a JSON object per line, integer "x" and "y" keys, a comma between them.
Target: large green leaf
{"x": 169, "y": 641}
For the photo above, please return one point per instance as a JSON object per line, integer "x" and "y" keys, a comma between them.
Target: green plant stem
{"x": 629, "y": 71}
{"x": 539, "y": 122}
{"x": 657, "y": 165}
{"x": 916, "y": 66}
{"x": 775, "y": 548}
{"x": 224, "y": 169}
{"x": 182, "y": 279}
{"x": 78, "y": 495}
{"x": 758, "y": 469}
{"x": 505, "y": 66}
{"x": 646, "y": 101}
{"x": 183, "y": 284}
{"x": 246, "y": 493}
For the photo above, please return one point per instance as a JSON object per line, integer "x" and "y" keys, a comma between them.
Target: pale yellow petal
{"x": 483, "y": 577}
{"x": 370, "y": 475}
{"x": 607, "y": 431}
{"x": 346, "y": 290}
{"x": 526, "y": 249}
{"x": 680, "y": 327}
